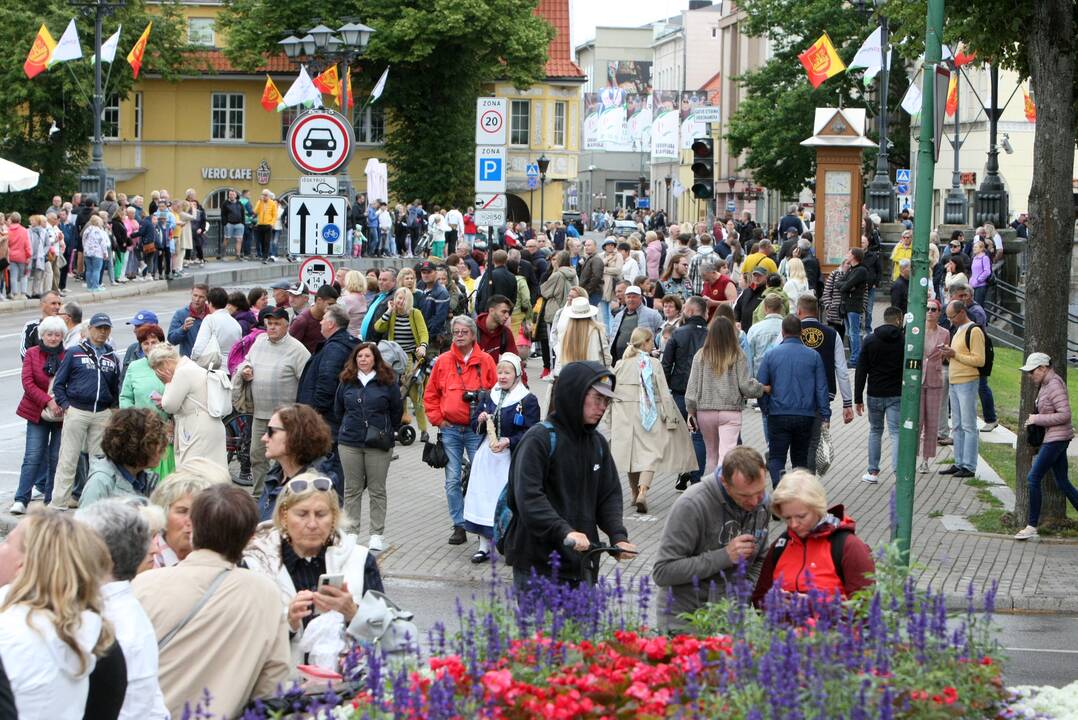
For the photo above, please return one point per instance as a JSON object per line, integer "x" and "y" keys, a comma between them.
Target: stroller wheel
{"x": 406, "y": 435}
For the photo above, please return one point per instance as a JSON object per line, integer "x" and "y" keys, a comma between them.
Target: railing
{"x": 1005, "y": 307}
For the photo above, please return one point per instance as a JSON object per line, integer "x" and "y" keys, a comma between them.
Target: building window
{"x": 288, "y": 116}
{"x": 370, "y": 126}
{"x": 138, "y": 116}
{"x": 200, "y": 32}
{"x": 226, "y": 117}
{"x": 559, "y": 123}
{"x": 519, "y": 117}
{"x": 110, "y": 118}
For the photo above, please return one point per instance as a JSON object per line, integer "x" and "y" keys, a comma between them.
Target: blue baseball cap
{"x": 101, "y": 320}
{"x": 143, "y": 317}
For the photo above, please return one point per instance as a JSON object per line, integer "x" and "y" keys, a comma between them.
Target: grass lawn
{"x": 995, "y": 519}
{"x": 1006, "y": 384}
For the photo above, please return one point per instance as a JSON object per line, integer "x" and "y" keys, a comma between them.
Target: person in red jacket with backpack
{"x": 819, "y": 549}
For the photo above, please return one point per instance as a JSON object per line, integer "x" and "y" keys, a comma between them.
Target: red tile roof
{"x": 559, "y": 62}
{"x": 215, "y": 61}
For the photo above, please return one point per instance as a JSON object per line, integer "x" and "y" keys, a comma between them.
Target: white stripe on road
{"x": 19, "y": 334}
{"x": 1040, "y": 650}
{"x": 10, "y": 373}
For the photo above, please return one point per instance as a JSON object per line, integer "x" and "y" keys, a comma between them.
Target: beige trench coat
{"x": 667, "y": 447}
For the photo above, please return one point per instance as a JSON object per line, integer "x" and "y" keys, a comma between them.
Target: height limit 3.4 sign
{"x": 316, "y": 225}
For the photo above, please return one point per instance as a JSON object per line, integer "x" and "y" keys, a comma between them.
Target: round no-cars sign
{"x": 319, "y": 142}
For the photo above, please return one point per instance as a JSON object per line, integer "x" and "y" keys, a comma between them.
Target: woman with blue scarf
{"x": 502, "y": 417}
{"x": 648, "y": 434}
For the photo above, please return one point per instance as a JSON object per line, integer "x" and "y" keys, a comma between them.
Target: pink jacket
{"x": 654, "y": 254}
{"x": 933, "y": 367}
{"x": 18, "y": 243}
{"x": 1053, "y": 409}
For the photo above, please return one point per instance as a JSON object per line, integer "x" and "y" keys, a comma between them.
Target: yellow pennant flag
{"x": 134, "y": 58}
{"x": 40, "y": 52}
{"x": 328, "y": 81}
{"x": 821, "y": 61}
{"x": 271, "y": 96}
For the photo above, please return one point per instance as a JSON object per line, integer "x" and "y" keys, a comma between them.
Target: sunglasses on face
{"x": 298, "y": 485}
{"x": 270, "y": 430}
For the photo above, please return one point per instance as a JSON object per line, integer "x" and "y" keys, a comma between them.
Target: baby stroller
{"x": 397, "y": 359}
{"x": 417, "y": 376}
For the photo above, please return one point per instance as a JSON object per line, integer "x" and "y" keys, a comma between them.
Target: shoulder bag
{"x": 167, "y": 637}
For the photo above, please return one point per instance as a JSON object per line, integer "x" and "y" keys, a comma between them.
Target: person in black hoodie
{"x": 557, "y": 500}
{"x": 677, "y": 362}
{"x": 880, "y": 365}
{"x": 871, "y": 262}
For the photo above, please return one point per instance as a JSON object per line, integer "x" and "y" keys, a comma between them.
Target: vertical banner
{"x": 612, "y": 131}
{"x": 664, "y": 125}
{"x": 590, "y": 130}
{"x": 691, "y": 126}
{"x": 638, "y": 122}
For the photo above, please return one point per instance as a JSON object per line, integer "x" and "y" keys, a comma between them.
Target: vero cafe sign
{"x": 261, "y": 173}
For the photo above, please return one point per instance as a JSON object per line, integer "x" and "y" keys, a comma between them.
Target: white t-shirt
{"x": 136, "y": 636}
{"x": 455, "y": 220}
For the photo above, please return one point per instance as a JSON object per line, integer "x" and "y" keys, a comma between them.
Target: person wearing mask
{"x": 677, "y": 361}
{"x": 880, "y": 367}
{"x": 43, "y": 415}
{"x": 713, "y": 527}
{"x": 802, "y": 559}
{"x": 53, "y": 633}
{"x": 1051, "y": 416}
{"x": 234, "y": 646}
{"x": 367, "y": 407}
{"x": 86, "y": 387}
{"x": 648, "y": 435}
{"x": 134, "y": 442}
{"x": 186, "y": 322}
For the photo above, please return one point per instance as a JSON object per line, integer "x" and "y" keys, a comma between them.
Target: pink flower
{"x": 497, "y": 682}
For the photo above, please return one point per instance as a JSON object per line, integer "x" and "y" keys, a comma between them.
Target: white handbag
{"x": 381, "y": 622}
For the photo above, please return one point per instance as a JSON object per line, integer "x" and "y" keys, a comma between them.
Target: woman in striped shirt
{"x": 403, "y": 324}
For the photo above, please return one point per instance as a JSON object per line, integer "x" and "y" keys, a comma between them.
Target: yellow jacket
{"x": 266, "y": 211}
{"x": 966, "y": 361}
{"x": 899, "y": 254}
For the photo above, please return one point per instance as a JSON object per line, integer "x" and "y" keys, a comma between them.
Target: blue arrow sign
{"x": 533, "y": 182}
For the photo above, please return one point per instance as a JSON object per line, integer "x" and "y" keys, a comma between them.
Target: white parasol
{"x": 15, "y": 177}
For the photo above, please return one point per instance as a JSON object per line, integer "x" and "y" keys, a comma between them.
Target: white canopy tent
{"x": 14, "y": 178}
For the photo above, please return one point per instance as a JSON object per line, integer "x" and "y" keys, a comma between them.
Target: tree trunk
{"x": 1051, "y": 46}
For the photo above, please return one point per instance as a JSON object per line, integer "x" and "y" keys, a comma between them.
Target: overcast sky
{"x": 586, "y": 15}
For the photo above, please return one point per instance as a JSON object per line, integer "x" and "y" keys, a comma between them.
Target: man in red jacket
{"x": 458, "y": 377}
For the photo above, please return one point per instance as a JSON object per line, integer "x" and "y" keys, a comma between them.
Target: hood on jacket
{"x": 573, "y": 383}
{"x": 888, "y": 333}
{"x": 834, "y": 519}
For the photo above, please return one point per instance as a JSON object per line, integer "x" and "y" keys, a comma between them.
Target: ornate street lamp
{"x": 543, "y": 162}
{"x": 881, "y": 193}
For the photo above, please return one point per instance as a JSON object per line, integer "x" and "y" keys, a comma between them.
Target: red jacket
{"x": 806, "y": 563}
{"x": 450, "y": 377}
{"x": 497, "y": 342}
{"x": 18, "y": 243}
{"x": 35, "y": 385}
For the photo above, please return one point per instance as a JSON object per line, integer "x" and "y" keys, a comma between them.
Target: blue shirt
{"x": 798, "y": 380}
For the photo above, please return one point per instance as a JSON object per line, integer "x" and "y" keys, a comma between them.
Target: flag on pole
{"x": 271, "y": 96}
{"x": 303, "y": 91}
{"x": 351, "y": 97}
{"x": 37, "y": 60}
{"x": 67, "y": 48}
{"x": 961, "y": 57}
{"x": 379, "y": 86}
{"x": 329, "y": 81}
{"x": 108, "y": 48}
{"x": 952, "y": 95}
{"x": 1029, "y": 106}
{"x": 911, "y": 101}
{"x": 868, "y": 56}
{"x": 134, "y": 58}
{"x": 821, "y": 61}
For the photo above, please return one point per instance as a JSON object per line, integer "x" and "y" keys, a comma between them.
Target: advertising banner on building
{"x": 590, "y": 138}
{"x": 613, "y": 134}
{"x": 692, "y": 126}
{"x": 638, "y": 122}
{"x": 664, "y": 125}
{"x": 632, "y": 76}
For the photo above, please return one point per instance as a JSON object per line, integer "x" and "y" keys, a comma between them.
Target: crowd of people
{"x": 204, "y": 568}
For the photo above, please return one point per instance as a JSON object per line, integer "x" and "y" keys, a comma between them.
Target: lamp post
{"x": 96, "y": 179}
{"x": 954, "y": 206}
{"x": 643, "y": 191}
{"x": 321, "y": 45}
{"x": 544, "y": 163}
{"x": 668, "y": 180}
{"x": 992, "y": 198}
{"x": 881, "y": 193}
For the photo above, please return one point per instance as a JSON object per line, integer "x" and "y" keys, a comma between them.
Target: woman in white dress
{"x": 198, "y": 434}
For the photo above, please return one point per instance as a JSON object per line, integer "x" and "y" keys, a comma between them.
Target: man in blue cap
{"x": 134, "y": 350}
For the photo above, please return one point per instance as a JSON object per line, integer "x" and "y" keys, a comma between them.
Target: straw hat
{"x": 581, "y": 308}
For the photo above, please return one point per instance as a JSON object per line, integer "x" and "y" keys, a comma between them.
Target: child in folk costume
{"x": 503, "y": 416}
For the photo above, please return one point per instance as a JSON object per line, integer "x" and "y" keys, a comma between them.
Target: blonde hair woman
{"x": 583, "y": 338}
{"x": 404, "y": 324}
{"x": 797, "y": 282}
{"x": 648, "y": 434}
{"x": 52, "y": 629}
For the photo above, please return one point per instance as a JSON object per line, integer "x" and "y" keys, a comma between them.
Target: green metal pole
{"x": 915, "y": 319}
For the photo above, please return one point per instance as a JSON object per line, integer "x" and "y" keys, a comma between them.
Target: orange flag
{"x": 271, "y": 96}
{"x": 961, "y": 57}
{"x": 328, "y": 81}
{"x": 40, "y": 52}
{"x": 351, "y": 97}
{"x": 821, "y": 61}
{"x": 952, "y": 95}
{"x": 1030, "y": 107}
{"x": 134, "y": 58}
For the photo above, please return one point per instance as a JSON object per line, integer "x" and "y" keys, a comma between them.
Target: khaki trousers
{"x": 259, "y": 463}
{"x": 82, "y": 432}
{"x": 365, "y": 469}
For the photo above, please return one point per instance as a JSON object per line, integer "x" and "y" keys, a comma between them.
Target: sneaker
{"x": 949, "y": 470}
{"x": 481, "y": 556}
{"x": 459, "y": 537}
{"x": 871, "y": 478}
{"x": 37, "y": 496}
{"x": 682, "y": 482}
{"x": 73, "y": 503}
{"x": 244, "y": 479}
{"x": 545, "y": 374}
{"x": 964, "y": 473}
{"x": 989, "y": 427}
{"x": 18, "y": 508}
{"x": 923, "y": 468}
{"x": 376, "y": 544}
{"x": 945, "y": 441}
{"x": 1024, "y": 534}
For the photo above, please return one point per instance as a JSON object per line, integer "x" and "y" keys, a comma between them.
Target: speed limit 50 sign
{"x": 490, "y": 120}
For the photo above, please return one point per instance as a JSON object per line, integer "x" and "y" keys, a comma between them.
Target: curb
{"x": 111, "y": 292}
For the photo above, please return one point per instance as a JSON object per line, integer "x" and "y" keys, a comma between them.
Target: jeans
{"x": 979, "y": 294}
{"x": 93, "y": 272}
{"x": 19, "y": 278}
{"x": 964, "y": 410}
{"x": 697, "y": 441}
{"x": 233, "y": 231}
{"x": 1052, "y": 456}
{"x": 787, "y": 433}
{"x": 988, "y": 401}
{"x": 871, "y": 293}
{"x": 39, "y": 460}
{"x": 853, "y": 332}
{"x": 878, "y": 408}
{"x": 606, "y": 318}
{"x": 457, "y": 439}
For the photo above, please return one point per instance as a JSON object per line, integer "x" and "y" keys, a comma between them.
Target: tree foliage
{"x": 440, "y": 53}
{"x": 777, "y": 113}
{"x": 63, "y": 93}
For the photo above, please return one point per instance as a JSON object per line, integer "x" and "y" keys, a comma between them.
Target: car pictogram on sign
{"x": 319, "y": 139}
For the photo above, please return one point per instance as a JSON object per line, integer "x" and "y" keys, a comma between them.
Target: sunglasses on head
{"x": 298, "y": 485}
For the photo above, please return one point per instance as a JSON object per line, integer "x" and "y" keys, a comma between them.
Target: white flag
{"x": 869, "y": 53}
{"x": 379, "y": 86}
{"x": 108, "y": 48}
{"x": 911, "y": 101}
{"x": 67, "y": 48}
{"x": 303, "y": 91}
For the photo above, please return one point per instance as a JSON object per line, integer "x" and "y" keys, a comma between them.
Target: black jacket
{"x": 573, "y": 487}
{"x": 873, "y": 265}
{"x": 318, "y": 383}
{"x": 787, "y": 222}
{"x": 505, "y": 283}
{"x": 813, "y": 275}
{"x": 746, "y": 305}
{"x": 679, "y": 352}
{"x": 356, "y": 406}
{"x": 900, "y": 293}
{"x": 232, "y": 213}
{"x": 853, "y": 289}
{"x": 880, "y": 364}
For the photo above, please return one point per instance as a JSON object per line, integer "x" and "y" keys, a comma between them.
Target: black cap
{"x": 281, "y": 313}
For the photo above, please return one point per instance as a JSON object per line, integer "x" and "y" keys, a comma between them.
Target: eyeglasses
{"x": 270, "y": 430}
{"x": 461, "y": 332}
{"x": 298, "y": 485}
{"x": 932, "y": 309}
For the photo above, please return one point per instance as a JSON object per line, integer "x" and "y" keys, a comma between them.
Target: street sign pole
{"x": 910, "y": 415}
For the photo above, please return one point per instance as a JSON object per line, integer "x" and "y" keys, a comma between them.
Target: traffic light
{"x": 703, "y": 168}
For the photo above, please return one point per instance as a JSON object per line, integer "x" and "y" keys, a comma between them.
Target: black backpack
{"x": 989, "y": 351}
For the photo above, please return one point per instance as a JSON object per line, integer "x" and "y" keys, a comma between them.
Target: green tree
{"x": 63, "y": 93}
{"x": 440, "y": 54}
{"x": 1038, "y": 40}
{"x": 777, "y": 113}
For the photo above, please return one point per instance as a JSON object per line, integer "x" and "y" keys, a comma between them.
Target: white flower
{"x": 1046, "y": 701}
